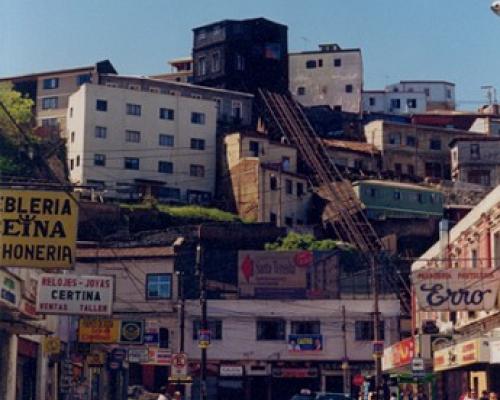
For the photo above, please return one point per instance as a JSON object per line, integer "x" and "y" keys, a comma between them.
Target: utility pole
{"x": 204, "y": 322}
{"x": 180, "y": 285}
{"x": 376, "y": 329}
{"x": 345, "y": 361}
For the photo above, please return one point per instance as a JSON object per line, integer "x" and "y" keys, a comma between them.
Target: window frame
{"x": 167, "y": 114}
{"x": 99, "y": 160}
{"x": 159, "y": 275}
{"x": 133, "y": 109}
{"x": 128, "y": 160}
{"x": 197, "y": 144}
{"x": 50, "y": 83}
{"x": 132, "y": 135}
{"x": 103, "y": 132}
{"x": 215, "y": 326}
{"x": 168, "y": 142}
{"x": 301, "y": 324}
{"x": 198, "y": 118}
{"x": 197, "y": 167}
{"x": 101, "y": 105}
{"x": 281, "y": 331}
{"x": 169, "y": 170}
{"x": 367, "y": 332}
{"x": 50, "y": 103}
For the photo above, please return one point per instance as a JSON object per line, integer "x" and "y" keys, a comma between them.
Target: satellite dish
{"x": 495, "y": 7}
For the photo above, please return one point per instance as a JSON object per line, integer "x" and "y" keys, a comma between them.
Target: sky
{"x": 454, "y": 40}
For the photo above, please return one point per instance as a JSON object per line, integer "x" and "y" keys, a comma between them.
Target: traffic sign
{"x": 203, "y": 338}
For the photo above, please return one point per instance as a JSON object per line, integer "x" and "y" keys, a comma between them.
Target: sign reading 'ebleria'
{"x": 456, "y": 289}
{"x": 37, "y": 229}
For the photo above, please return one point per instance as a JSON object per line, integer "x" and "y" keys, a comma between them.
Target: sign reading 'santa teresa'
{"x": 456, "y": 289}
{"x": 74, "y": 295}
{"x": 37, "y": 229}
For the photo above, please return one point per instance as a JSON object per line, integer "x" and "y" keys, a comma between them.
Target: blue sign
{"x": 151, "y": 338}
{"x": 300, "y": 343}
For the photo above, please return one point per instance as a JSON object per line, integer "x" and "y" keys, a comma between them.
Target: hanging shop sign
{"x": 151, "y": 333}
{"x": 456, "y": 289}
{"x": 28, "y": 309}
{"x": 462, "y": 354}
{"x": 51, "y": 345}
{"x": 398, "y": 355}
{"x": 179, "y": 367}
{"x": 494, "y": 351}
{"x": 203, "y": 338}
{"x": 131, "y": 332}
{"x": 96, "y": 359}
{"x": 10, "y": 290}
{"x": 98, "y": 330}
{"x": 37, "y": 229}
{"x": 138, "y": 355}
{"x": 74, "y": 295}
{"x": 305, "y": 343}
{"x": 159, "y": 356}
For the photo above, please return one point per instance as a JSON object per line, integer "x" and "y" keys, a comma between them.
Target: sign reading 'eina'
{"x": 37, "y": 229}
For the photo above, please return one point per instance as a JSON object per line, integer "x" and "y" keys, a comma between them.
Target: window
{"x": 420, "y": 198}
{"x": 289, "y": 221}
{"x": 216, "y": 62}
{"x": 73, "y": 137}
{"x": 169, "y": 193}
{"x": 240, "y": 62}
{"x": 100, "y": 160}
{"x": 214, "y": 326}
{"x": 236, "y": 110}
{"x": 474, "y": 151}
{"x": 433, "y": 169}
{"x": 101, "y": 132}
{"x": 198, "y": 144}
{"x": 133, "y": 109}
{"x": 71, "y": 112}
{"x": 159, "y": 286}
{"x": 154, "y": 90}
{"x": 77, "y": 161}
{"x": 133, "y": 136}
{"x": 271, "y": 329}
{"x": 395, "y": 103}
{"x": 218, "y": 105}
{"x": 288, "y": 186}
{"x": 254, "y": 148}
{"x": 51, "y": 83}
{"x": 310, "y": 64}
{"x": 348, "y": 88}
{"x": 395, "y": 138}
{"x": 473, "y": 257}
{"x": 448, "y": 93}
{"x": 435, "y": 144}
{"x": 202, "y": 66}
{"x": 337, "y": 108}
{"x": 300, "y": 189}
{"x": 84, "y": 78}
{"x": 320, "y": 63}
{"x": 306, "y": 327}
{"x": 427, "y": 92}
{"x": 373, "y": 192}
{"x": 410, "y": 169}
{"x": 166, "y": 140}
{"x": 364, "y": 330}
{"x": 273, "y": 183}
{"x": 167, "y": 113}
{"x": 480, "y": 177}
{"x": 285, "y": 163}
{"x": 398, "y": 168}
{"x": 272, "y": 218}
{"x": 134, "y": 87}
{"x": 49, "y": 103}
{"x": 197, "y": 170}
{"x": 337, "y": 62}
{"x": 165, "y": 167}
{"x": 301, "y": 91}
{"x": 163, "y": 338}
{"x": 196, "y": 96}
{"x": 411, "y": 141}
{"x": 101, "y": 105}
{"x": 396, "y": 195}
{"x": 131, "y": 163}
{"x": 198, "y": 118}
{"x": 50, "y": 123}
{"x": 71, "y": 164}
{"x": 372, "y": 101}
{"x": 411, "y": 103}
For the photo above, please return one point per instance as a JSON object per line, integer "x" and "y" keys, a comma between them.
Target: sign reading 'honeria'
{"x": 37, "y": 229}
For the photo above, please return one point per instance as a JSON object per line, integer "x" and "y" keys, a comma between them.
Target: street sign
{"x": 417, "y": 364}
{"x": 378, "y": 348}
{"x": 203, "y": 338}
{"x": 179, "y": 367}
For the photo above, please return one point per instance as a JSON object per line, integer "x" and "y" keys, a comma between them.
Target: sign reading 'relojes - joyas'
{"x": 37, "y": 229}
{"x": 456, "y": 289}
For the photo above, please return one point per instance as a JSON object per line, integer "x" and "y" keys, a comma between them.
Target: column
{"x": 8, "y": 365}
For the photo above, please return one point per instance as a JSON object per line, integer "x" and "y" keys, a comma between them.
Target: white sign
{"x": 495, "y": 352}
{"x": 138, "y": 355}
{"x": 231, "y": 370}
{"x": 417, "y": 364}
{"x": 456, "y": 289}
{"x": 74, "y": 295}
{"x": 179, "y": 366}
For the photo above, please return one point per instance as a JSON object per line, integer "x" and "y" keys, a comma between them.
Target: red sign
{"x": 401, "y": 353}
{"x": 358, "y": 380}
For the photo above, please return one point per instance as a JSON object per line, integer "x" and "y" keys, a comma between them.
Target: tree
{"x": 20, "y": 108}
{"x": 306, "y": 241}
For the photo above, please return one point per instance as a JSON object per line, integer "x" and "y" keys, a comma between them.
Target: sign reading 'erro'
{"x": 74, "y": 295}
{"x": 37, "y": 229}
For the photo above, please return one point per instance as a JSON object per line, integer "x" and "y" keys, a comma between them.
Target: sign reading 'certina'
{"x": 74, "y": 295}
{"x": 37, "y": 229}
{"x": 456, "y": 289}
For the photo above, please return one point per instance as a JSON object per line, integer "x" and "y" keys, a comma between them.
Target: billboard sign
{"x": 456, "y": 289}
{"x": 98, "y": 330}
{"x": 74, "y": 295}
{"x": 179, "y": 367}
{"x": 38, "y": 229}
{"x": 305, "y": 343}
{"x": 10, "y": 290}
{"x": 461, "y": 354}
{"x": 398, "y": 355}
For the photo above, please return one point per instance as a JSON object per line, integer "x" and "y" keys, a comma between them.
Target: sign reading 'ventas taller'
{"x": 37, "y": 229}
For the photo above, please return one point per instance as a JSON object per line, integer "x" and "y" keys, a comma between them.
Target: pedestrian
{"x": 493, "y": 396}
{"x": 163, "y": 394}
{"x": 177, "y": 396}
{"x": 393, "y": 396}
{"x": 484, "y": 395}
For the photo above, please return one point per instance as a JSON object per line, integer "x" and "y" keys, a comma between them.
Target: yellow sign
{"x": 37, "y": 229}
{"x": 98, "y": 330}
{"x": 96, "y": 359}
{"x": 462, "y": 354}
{"x": 51, "y": 345}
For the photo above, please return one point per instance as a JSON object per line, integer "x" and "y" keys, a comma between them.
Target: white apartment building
{"x": 410, "y": 97}
{"x": 330, "y": 76}
{"x": 254, "y": 345}
{"x": 128, "y": 143}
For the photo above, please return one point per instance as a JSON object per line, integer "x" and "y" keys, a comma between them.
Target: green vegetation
{"x": 298, "y": 241}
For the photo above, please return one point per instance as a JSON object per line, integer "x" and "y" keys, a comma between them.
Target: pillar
{"x": 8, "y": 365}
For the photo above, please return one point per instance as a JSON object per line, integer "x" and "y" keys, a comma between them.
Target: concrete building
{"x": 182, "y": 71}
{"x": 414, "y": 150}
{"x": 51, "y": 90}
{"x": 254, "y": 354}
{"x": 262, "y": 182}
{"x": 234, "y": 109}
{"x": 357, "y": 157}
{"x": 146, "y": 289}
{"x": 468, "y": 357}
{"x": 489, "y": 125}
{"x": 26, "y": 371}
{"x": 128, "y": 143}
{"x": 329, "y": 76}
{"x": 242, "y": 55}
{"x": 408, "y": 97}
{"x": 476, "y": 160}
